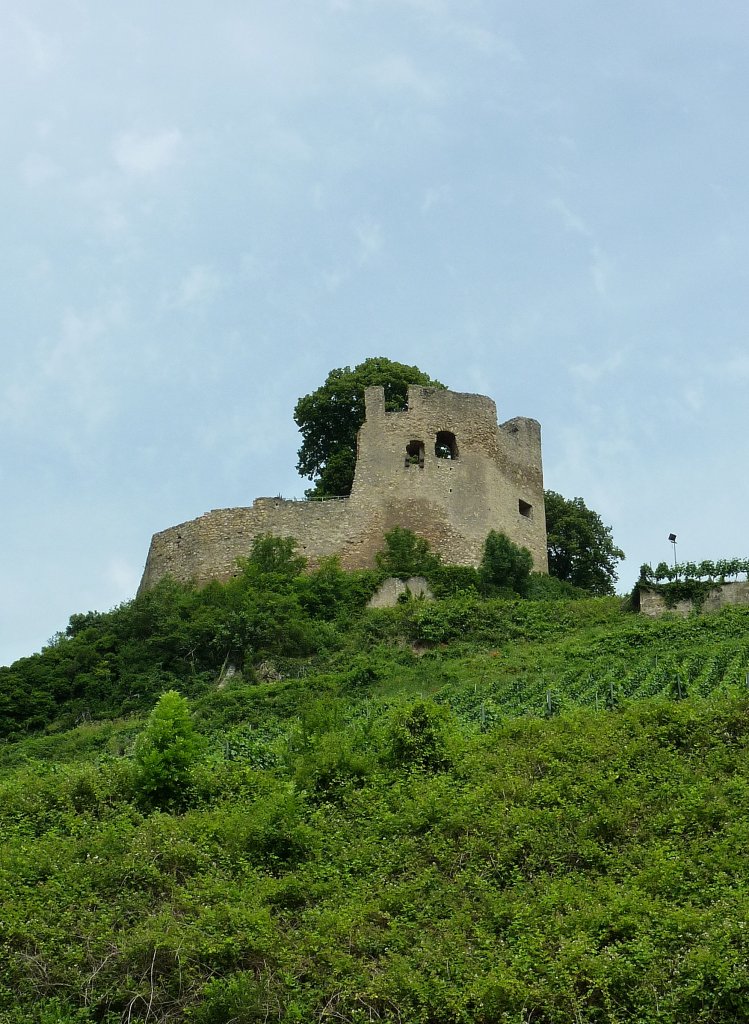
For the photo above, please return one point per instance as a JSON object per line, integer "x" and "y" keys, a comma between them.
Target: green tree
{"x": 581, "y": 549}
{"x": 406, "y": 554}
{"x": 165, "y": 753}
{"x": 504, "y": 565}
{"x": 330, "y": 417}
{"x": 276, "y": 556}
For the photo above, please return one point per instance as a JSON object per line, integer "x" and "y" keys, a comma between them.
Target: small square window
{"x": 525, "y": 509}
{"x": 415, "y": 454}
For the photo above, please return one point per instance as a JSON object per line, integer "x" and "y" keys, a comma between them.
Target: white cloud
{"x": 369, "y": 236}
{"x": 333, "y": 279}
{"x": 68, "y": 384}
{"x": 113, "y": 221}
{"x": 278, "y": 141}
{"x": 199, "y": 286}
{"x": 440, "y": 17}
{"x": 733, "y": 369}
{"x": 37, "y": 51}
{"x": 694, "y": 397}
{"x": 571, "y": 220}
{"x": 397, "y": 73}
{"x": 600, "y": 265}
{"x": 254, "y": 267}
{"x": 591, "y": 373}
{"x": 434, "y": 196}
{"x": 37, "y": 169}
{"x": 122, "y": 576}
{"x": 600, "y": 270}
{"x": 142, "y": 155}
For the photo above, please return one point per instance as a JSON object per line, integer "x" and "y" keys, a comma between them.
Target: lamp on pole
{"x": 672, "y": 538}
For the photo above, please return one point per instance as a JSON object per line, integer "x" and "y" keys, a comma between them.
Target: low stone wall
{"x": 653, "y": 603}
{"x": 207, "y": 548}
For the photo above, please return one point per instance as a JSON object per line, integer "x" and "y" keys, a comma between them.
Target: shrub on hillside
{"x": 406, "y": 555}
{"x": 417, "y": 734}
{"x": 165, "y": 753}
{"x": 504, "y": 566}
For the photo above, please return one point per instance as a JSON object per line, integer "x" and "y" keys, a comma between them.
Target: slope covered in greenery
{"x": 472, "y": 810}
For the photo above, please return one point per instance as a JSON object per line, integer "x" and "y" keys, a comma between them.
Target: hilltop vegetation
{"x": 329, "y": 418}
{"x": 482, "y": 809}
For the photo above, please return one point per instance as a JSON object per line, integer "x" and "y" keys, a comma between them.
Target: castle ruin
{"x": 443, "y": 467}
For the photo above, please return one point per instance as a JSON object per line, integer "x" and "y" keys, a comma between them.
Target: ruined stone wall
{"x": 653, "y": 604}
{"x": 493, "y": 481}
{"x": 207, "y": 548}
{"x": 454, "y": 502}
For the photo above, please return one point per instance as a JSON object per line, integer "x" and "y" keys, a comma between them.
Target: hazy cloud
{"x": 140, "y": 154}
{"x": 571, "y": 221}
{"x": 398, "y": 73}
{"x": 37, "y": 169}
{"x": 200, "y": 285}
{"x": 600, "y": 270}
{"x": 591, "y": 373}
{"x": 369, "y": 236}
{"x": 36, "y": 50}
{"x": 733, "y": 369}
{"x": 69, "y": 381}
{"x": 599, "y": 265}
{"x": 434, "y": 196}
{"x": 122, "y": 575}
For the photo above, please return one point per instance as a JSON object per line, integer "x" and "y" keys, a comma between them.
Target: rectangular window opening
{"x": 525, "y": 509}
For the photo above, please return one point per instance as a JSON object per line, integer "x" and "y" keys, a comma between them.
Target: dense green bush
{"x": 165, "y": 754}
{"x": 504, "y": 566}
{"x": 405, "y": 554}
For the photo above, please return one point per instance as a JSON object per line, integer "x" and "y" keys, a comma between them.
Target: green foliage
{"x": 471, "y": 810}
{"x": 709, "y": 571}
{"x": 449, "y": 580}
{"x": 688, "y": 581}
{"x": 406, "y": 555}
{"x": 549, "y": 588}
{"x": 274, "y": 556}
{"x": 504, "y": 566}
{"x": 166, "y": 752}
{"x": 581, "y": 549}
{"x": 416, "y": 735}
{"x": 329, "y": 592}
{"x": 330, "y": 417}
{"x": 589, "y": 864}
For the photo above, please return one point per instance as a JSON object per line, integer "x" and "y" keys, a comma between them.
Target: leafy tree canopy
{"x": 504, "y": 565}
{"x": 581, "y": 549}
{"x": 330, "y": 417}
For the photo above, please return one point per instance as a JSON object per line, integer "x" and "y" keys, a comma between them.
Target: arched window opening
{"x": 415, "y": 454}
{"x": 445, "y": 446}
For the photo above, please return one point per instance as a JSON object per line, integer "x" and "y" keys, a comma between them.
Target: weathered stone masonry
{"x": 443, "y": 468}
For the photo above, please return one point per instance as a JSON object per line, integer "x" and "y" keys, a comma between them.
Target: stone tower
{"x": 443, "y": 468}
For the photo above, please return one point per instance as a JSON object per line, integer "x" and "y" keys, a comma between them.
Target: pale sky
{"x": 209, "y": 206}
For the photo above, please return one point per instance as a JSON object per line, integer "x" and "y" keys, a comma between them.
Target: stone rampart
{"x": 653, "y": 604}
{"x": 443, "y": 468}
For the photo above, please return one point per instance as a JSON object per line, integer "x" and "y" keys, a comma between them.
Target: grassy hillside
{"x": 475, "y": 810}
